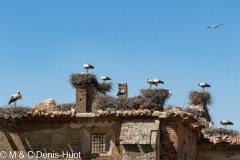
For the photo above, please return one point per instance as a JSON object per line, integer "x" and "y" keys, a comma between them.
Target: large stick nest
{"x": 79, "y": 80}
{"x": 221, "y": 131}
{"x": 197, "y": 98}
{"x": 67, "y": 106}
{"x": 13, "y": 112}
{"x": 153, "y": 99}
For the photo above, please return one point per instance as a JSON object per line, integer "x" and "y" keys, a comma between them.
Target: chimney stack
{"x": 84, "y": 98}
{"x": 123, "y": 90}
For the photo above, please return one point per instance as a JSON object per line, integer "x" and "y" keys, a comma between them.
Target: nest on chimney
{"x": 221, "y": 131}
{"x": 153, "y": 99}
{"x": 67, "y": 106}
{"x": 197, "y": 98}
{"x": 79, "y": 80}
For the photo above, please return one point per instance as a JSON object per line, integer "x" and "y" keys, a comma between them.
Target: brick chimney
{"x": 123, "y": 90}
{"x": 84, "y": 98}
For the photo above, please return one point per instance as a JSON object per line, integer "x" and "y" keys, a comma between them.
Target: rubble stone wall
{"x": 218, "y": 152}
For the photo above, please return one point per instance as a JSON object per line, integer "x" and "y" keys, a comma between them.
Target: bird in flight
{"x": 216, "y": 26}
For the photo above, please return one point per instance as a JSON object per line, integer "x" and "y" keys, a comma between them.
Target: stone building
{"x": 46, "y": 132}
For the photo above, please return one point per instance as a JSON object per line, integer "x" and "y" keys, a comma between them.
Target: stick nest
{"x": 67, "y": 106}
{"x": 197, "y": 98}
{"x": 107, "y": 87}
{"x": 79, "y": 80}
{"x": 221, "y": 131}
{"x": 153, "y": 99}
{"x": 14, "y": 112}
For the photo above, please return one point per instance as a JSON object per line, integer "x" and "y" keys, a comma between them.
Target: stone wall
{"x": 178, "y": 140}
{"x": 55, "y": 137}
{"x": 168, "y": 140}
{"x": 218, "y": 152}
{"x": 139, "y": 138}
{"x": 187, "y": 142}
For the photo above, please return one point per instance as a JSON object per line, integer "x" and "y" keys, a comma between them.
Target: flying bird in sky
{"x": 151, "y": 82}
{"x": 225, "y": 123}
{"x": 105, "y": 78}
{"x": 214, "y": 26}
{"x": 15, "y": 97}
{"x": 203, "y": 85}
{"x": 87, "y": 67}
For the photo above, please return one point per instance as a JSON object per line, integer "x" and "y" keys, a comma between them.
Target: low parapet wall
{"x": 218, "y": 151}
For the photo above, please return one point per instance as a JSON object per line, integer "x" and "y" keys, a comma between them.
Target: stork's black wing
{"x": 13, "y": 99}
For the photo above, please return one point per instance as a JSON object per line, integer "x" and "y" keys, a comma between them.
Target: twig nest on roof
{"x": 197, "y": 98}
{"x": 155, "y": 98}
{"x": 14, "y": 112}
{"x": 106, "y": 86}
{"x": 220, "y": 135}
{"x": 80, "y": 80}
{"x": 221, "y": 131}
{"x": 152, "y": 99}
{"x": 67, "y": 106}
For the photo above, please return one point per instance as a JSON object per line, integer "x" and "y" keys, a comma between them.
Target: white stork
{"x": 169, "y": 92}
{"x": 15, "y": 97}
{"x": 87, "y": 67}
{"x": 151, "y": 82}
{"x": 157, "y": 81}
{"x": 121, "y": 92}
{"x": 105, "y": 78}
{"x": 225, "y": 123}
{"x": 214, "y": 26}
{"x": 73, "y": 111}
{"x": 203, "y": 85}
{"x": 83, "y": 72}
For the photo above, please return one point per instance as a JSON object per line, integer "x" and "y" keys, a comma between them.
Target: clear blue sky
{"x": 43, "y": 42}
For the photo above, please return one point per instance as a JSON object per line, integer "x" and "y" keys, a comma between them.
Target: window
{"x": 98, "y": 143}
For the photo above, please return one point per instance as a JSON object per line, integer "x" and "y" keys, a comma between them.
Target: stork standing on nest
{"x": 15, "y": 97}
{"x": 203, "y": 85}
{"x": 150, "y": 82}
{"x": 87, "y": 67}
{"x": 216, "y": 26}
{"x": 157, "y": 81}
{"x": 225, "y": 123}
{"x": 105, "y": 78}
